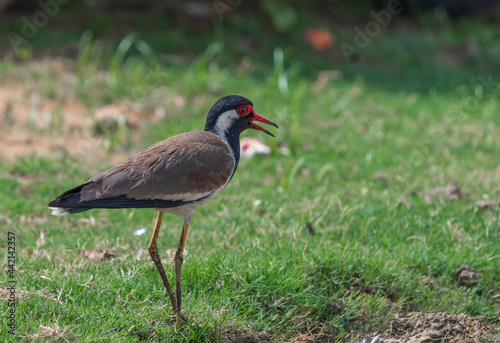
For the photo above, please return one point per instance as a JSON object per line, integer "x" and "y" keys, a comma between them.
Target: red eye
{"x": 243, "y": 111}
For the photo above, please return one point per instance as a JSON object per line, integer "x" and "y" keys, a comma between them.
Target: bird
{"x": 176, "y": 175}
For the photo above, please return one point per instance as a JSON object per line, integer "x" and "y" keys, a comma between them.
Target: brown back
{"x": 190, "y": 163}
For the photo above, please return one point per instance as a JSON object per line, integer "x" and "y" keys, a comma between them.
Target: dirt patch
{"x": 450, "y": 192}
{"x": 490, "y": 203}
{"x": 466, "y": 276}
{"x": 314, "y": 333}
{"x": 404, "y": 327}
{"x": 40, "y": 114}
{"x": 99, "y": 256}
{"x": 248, "y": 336}
{"x": 52, "y": 334}
{"x": 441, "y": 327}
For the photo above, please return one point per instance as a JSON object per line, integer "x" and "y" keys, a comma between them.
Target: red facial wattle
{"x": 245, "y": 110}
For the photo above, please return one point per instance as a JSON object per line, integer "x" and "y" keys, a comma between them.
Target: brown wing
{"x": 189, "y": 163}
{"x": 180, "y": 167}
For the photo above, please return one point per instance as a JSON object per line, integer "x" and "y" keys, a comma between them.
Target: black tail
{"x": 68, "y": 202}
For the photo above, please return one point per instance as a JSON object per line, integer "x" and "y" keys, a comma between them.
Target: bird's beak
{"x": 254, "y": 126}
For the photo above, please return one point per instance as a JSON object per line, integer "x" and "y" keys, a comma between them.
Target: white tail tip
{"x": 59, "y": 211}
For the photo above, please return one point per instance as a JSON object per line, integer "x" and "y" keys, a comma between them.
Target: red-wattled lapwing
{"x": 176, "y": 175}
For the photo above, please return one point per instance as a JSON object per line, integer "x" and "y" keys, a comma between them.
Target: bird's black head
{"x": 233, "y": 114}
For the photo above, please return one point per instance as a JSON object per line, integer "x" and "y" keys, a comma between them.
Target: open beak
{"x": 254, "y": 126}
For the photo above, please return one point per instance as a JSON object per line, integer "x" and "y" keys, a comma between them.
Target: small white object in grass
{"x": 284, "y": 151}
{"x": 251, "y": 146}
{"x": 139, "y": 232}
{"x": 376, "y": 339}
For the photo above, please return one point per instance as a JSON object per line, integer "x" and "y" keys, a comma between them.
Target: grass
{"x": 357, "y": 147}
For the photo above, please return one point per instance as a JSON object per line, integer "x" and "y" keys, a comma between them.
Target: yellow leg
{"x": 153, "y": 251}
{"x": 178, "y": 263}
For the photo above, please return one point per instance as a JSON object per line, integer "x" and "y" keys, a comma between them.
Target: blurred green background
{"x": 376, "y": 212}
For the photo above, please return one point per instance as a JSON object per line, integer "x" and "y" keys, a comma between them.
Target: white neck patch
{"x": 224, "y": 122}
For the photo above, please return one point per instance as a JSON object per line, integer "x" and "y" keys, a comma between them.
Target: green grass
{"x": 357, "y": 147}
